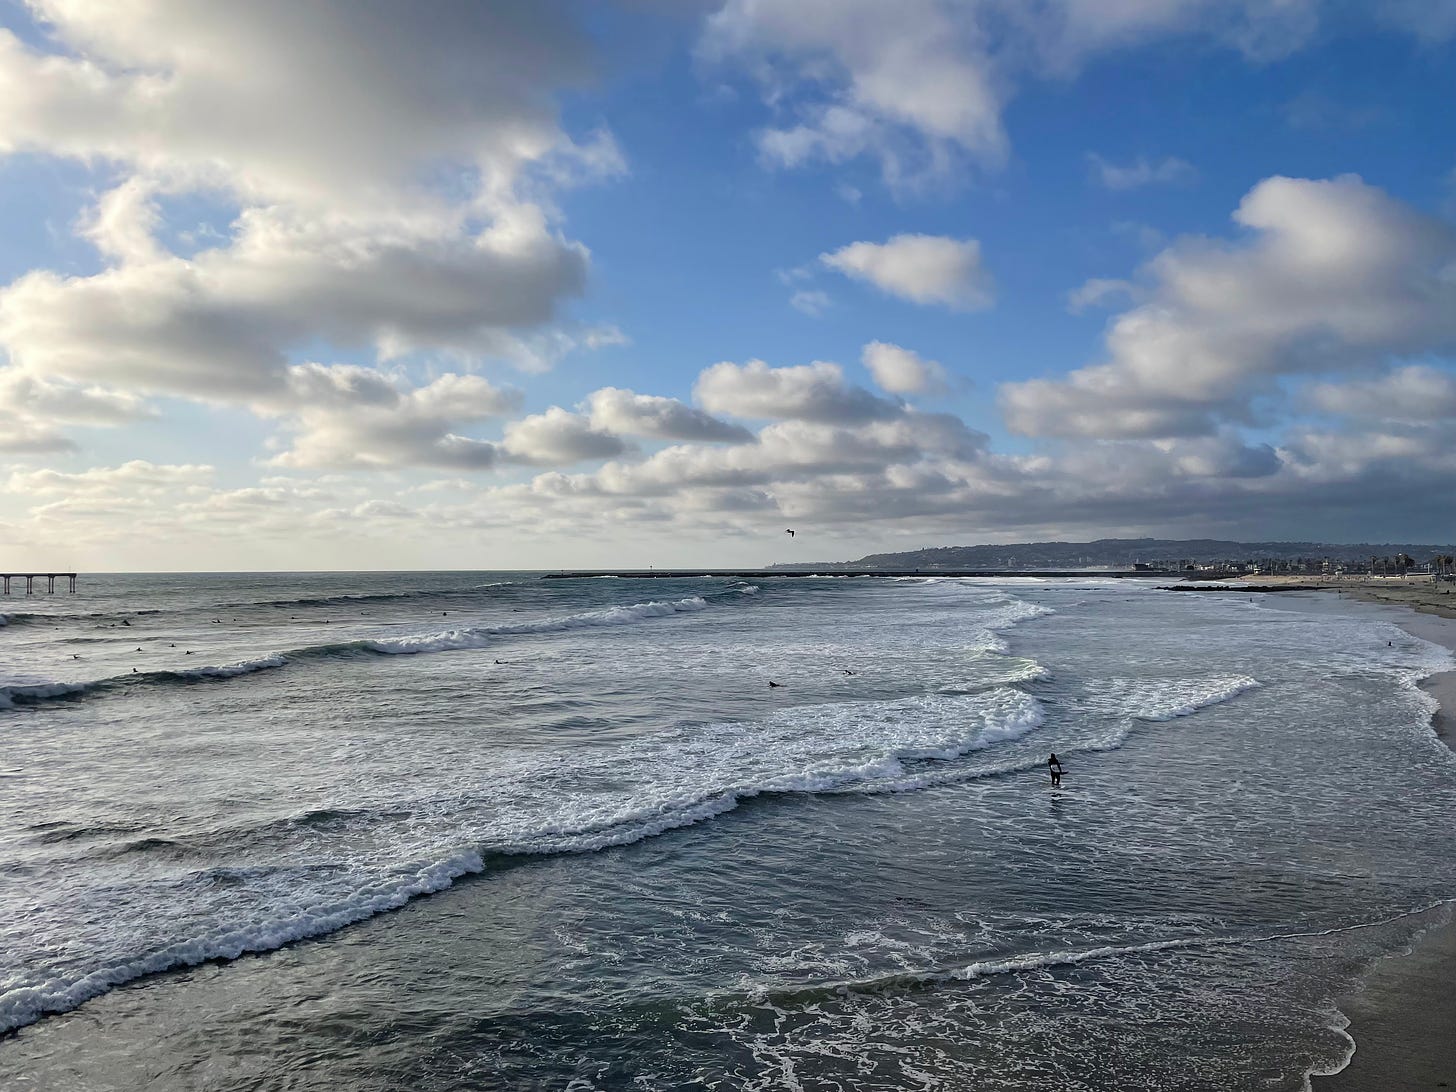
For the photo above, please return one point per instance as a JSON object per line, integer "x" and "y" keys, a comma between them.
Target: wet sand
{"x": 1415, "y": 592}
{"x": 1403, "y": 1015}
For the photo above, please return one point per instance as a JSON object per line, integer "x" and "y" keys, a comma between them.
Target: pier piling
{"x": 30, "y": 579}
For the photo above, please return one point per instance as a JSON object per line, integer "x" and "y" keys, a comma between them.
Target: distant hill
{"x": 1113, "y": 553}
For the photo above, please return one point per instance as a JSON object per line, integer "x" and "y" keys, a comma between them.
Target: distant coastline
{"x": 1150, "y": 555}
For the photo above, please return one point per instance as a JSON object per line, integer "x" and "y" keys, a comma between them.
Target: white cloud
{"x": 1336, "y": 275}
{"x": 811, "y": 302}
{"x": 1432, "y": 21}
{"x": 350, "y": 418}
{"x": 218, "y": 324}
{"x": 31, "y": 408}
{"x": 137, "y": 476}
{"x": 1096, "y": 292}
{"x": 1140, "y": 172}
{"x": 928, "y": 269}
{"x": 558, "y": 438}
{"x": 903, "y": 371}
{"x": 914, "y": 67}
{"x": 1065, "y": 34}
{"x": 790, "y": 451}
{"x": 67, "y": 403}
{"x": 807, "y": 392}
{"x": 920, "y": 85}
{"x": 388, "y": 178}
{"x": 1412, "y": 393}
{"x": 19, "y": 436}
{"x": 320, "y": 102}
{"x": 630, "y": 414}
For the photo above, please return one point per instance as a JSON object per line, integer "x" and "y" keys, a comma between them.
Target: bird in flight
{"x": 789, "y": 532}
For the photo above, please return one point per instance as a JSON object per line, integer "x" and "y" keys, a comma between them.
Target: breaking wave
{"x": 441, "y": 641}
{"x": 670, "y": 780}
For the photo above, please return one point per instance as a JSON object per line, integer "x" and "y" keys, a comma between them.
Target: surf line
{"x": 453, "y": 640}
{"x": 1038, "y": 960}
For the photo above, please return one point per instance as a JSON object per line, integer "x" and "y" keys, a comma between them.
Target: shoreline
{"x": 1401, "y": 1013}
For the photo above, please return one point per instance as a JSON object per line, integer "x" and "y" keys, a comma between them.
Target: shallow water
{"x": 646, "y": 868}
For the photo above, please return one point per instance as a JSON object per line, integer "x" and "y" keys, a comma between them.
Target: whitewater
{"x": 465, "y": 830}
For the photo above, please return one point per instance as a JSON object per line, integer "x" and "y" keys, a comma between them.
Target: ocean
{"x": 487, "y": 830}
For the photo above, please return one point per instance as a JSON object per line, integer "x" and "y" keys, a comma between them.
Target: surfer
{"x": 847, "y": 671}
{"x": 773, "y": 685}
{"x": 1055, "y": 766}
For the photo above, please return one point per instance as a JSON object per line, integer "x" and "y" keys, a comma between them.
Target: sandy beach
{"x": 1403, "y": 1013}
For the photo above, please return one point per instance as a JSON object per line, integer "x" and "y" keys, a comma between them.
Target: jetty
{"x": 31, "y": 578}
{"x": 769, "y": 574}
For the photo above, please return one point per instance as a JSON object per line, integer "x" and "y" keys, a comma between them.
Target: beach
{"x": 1402, "y": 1015}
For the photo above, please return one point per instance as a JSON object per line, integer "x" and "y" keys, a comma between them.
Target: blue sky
{"x": 342, "y": 287}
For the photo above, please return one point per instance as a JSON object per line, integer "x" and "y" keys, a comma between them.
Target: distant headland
{"x": 1153, "y": 555}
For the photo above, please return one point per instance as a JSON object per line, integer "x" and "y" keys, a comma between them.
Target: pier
{"x": 31, "y": 578}
{"x": 765, "y": 574}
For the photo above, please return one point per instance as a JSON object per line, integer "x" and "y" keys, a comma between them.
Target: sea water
{"x": 488, "y": 830}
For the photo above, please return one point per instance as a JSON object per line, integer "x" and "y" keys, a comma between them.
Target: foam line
{"x": 442, "y": 641}
{"x": 1071, "y": 957}
{"x": 997, "y": 717}
{"x": 27, "y": 1004}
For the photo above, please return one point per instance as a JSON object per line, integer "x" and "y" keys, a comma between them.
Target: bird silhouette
{"x": 789, "y": 532}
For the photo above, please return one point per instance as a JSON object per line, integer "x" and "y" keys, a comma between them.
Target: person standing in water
{"x": 1055, "y": 766}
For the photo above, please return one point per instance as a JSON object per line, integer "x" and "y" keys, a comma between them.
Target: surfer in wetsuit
{"x": 1055, "y": 766}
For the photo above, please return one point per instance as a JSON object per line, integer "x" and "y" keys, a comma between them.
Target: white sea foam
{"x": 30, "y": 692}
{"x": 26, "y": 1004}
{"x": 444, "y": 641}
{"x": 481, "y": 636}
{"x": 1071, "y": 957}
{"x": 1015, "y": 671}
{"x": 640, "y": 789}
{"x": 1164, "y": 699}
{"x": 225, "y": 671}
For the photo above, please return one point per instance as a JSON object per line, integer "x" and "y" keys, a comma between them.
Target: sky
{"x": 500, "y": 284}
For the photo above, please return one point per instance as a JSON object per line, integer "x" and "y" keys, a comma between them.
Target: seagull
{"x": 789, "y": 532}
